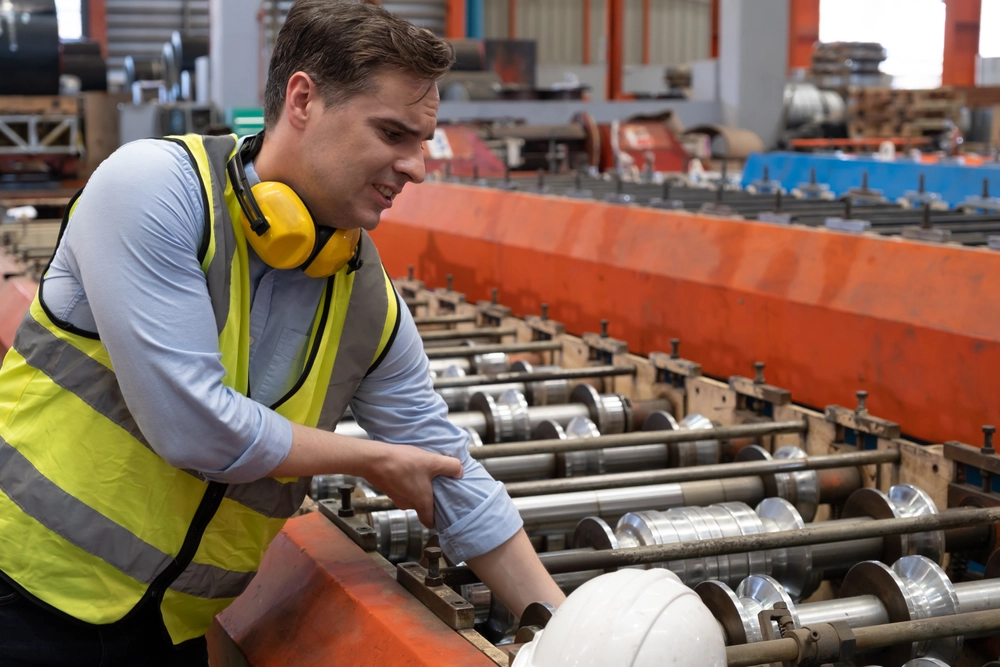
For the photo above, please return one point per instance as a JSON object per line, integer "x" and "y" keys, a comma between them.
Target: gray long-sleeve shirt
{"x": 127, "y": 268}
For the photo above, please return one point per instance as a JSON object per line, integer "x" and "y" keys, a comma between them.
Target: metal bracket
{"x": 756, "y": 388}
{"x": 445, "y": 603}
{"x": 602, "y": 347}
{"x": 492, "y": 313}
{"x": 409, "y": 286}
{"x": 674, "y": 365}
{"x": 448, "y": 298}
{"x": 354, "y": 527}
{"x": 542, "y": 327}
{"x": 859, "y": 419}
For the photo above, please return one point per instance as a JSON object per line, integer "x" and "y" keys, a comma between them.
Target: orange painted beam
{"x": 615, "y": 23}
{"x": 97, "y": 24}
{"x": 319, "y": 600}
{"x": 646, "y": 14}
{"x": 455, "y": 19}
{"x": 715, "y": 29}
{"x": 961, "y": 42}
{"x": 803, "y": 32}
{"x": 914, "y": 324}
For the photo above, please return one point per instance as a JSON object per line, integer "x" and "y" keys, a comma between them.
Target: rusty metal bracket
{"x": 445, "y": 603}
{"x": 602, "y": 347}
{"x": 353, "y": 526}
{"x": 491, "y": 313}
{"x": 859, "y": 419}
{"x": 671, "y": 368}
{"x": 409, "y": 286}
{"x": 542, "y": 327}
{"x": 759, "y": 390}
{"x": 448, "y": 298}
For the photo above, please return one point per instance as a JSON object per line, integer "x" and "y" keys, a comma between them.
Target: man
{"x": 160, "y": 403}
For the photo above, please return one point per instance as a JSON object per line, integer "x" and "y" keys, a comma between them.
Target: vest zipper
{"x": 207, "y": 508}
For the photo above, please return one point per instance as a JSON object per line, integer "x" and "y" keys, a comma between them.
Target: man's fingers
{"x": 448, "y": 466}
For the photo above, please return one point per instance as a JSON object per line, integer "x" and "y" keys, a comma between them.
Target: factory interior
{"x": 705, "y": 295}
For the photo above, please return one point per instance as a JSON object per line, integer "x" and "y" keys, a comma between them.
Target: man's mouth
{"x": 386, "y": 192}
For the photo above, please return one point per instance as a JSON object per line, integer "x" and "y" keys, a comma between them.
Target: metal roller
{"x": 545, "y": 392}
{"x": 872, "y": 594}
{"x": 142, "y": 69}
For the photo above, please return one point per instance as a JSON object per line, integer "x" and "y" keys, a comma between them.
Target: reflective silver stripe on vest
{"x": 81, "y": 525}
{"x": 366, "y": 313}
{"x": 219, "y": 273}
{"x": 76, "y": 372}
{"x": 96, "y": 385}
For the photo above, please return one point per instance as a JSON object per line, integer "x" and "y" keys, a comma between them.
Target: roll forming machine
{"x": 823, "y": 534}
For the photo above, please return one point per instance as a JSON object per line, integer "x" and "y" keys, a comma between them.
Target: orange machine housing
{"x": 915, "y": 324}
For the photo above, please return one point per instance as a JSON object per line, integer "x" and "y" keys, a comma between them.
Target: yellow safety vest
{"x": 92, "y": 521}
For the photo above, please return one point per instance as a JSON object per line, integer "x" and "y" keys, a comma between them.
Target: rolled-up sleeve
{"x": 397, "y": 403}
{"x": 133, "y": 247}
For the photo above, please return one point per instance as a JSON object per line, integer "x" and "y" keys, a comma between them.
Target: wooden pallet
{"x": 39, "y": 104}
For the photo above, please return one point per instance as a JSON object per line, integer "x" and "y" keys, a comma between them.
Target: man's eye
{"x": 391, "y": 136}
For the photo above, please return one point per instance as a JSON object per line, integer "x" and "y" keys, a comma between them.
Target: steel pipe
{"x": 969, "y": 624}
{"x": 642, "y": 438}
{"x": 810, "y": 535}
{"x": 506, "y": 348}
{"x": 467, "y": 334}
{"x": 444, "y": 319}
{"x": 714, "y": 471}
{"x": 534, "y": 376}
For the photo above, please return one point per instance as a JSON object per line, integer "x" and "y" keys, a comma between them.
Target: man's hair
{"x": 342, "y": 44}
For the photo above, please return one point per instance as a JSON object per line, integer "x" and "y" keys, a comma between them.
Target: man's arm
{"x": 474, "y": 516}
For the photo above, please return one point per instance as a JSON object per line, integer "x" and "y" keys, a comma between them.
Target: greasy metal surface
{"x": 963, "y": 453}
{"x": 456, "y": 612}
{"x": 765, "y": 392}
{"x": 355, "y": 527}
{"x": 862, "y": 421}
{"x": 677, "y": 366}
{"x": 829, "y": 312}
{"x": 318, "y": 598}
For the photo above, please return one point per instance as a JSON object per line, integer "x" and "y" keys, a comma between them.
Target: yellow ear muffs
{"x": 291, "y": 236}
{"x": 336, "y": 247}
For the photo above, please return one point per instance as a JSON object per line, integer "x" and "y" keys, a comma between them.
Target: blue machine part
{"x": 974, "y": 477}
{"x": 474, "y": 18}
{"x": 952, "y": 181}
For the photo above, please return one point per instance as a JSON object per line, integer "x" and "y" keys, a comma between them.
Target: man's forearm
{"x": 515, "y": 575}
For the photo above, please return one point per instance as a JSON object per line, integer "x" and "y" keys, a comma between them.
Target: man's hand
{"x": 402, "y": 472}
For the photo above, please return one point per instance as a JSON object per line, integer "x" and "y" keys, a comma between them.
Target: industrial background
{"x": 744, "y": 254}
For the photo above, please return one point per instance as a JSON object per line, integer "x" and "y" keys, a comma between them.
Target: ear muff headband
{"x": 279, "y": 227}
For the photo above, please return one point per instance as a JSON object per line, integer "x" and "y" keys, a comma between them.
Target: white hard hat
{"x": 640, "y": 618}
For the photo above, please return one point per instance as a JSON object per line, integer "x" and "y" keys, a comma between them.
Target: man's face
{"x": 359, "y": 154}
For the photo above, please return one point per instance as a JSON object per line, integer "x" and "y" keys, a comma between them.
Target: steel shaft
{"x": 535, "y": 376}
{"x": 506, "y": 348}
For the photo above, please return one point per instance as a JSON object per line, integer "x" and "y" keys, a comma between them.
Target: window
{"x": 912, "y": 32}
{"x": 70, "y": 19}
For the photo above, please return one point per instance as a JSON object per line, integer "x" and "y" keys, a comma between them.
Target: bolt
{"x": 986, "y": 188}
{"x": 864, "y": 181}
{"x": 541, "y": 179}
{"x": 675, "y": 346}
{"x": 758, "y": 367}
{"x": 847, "y": 209}
{"x": 988, "y": 432}
{"x": 922, "y": 184}
{"x": 493, "y": 295}
{"x": 777, "y": 200}
{"x": 604, "y": 328}
{"x": 545, "y": 311}
{"x": 812, "y": 176}
{"x": 345, "y": 501}
{"x": 433, "y": 578}
{"x": 862, "y": 399}
{"x": 767, "y": 174}
{"x": 475, "y": 172}
{"x": 926, "y": 223}
{"x": 448, "y": 280}
{"x": 409, "y": 272}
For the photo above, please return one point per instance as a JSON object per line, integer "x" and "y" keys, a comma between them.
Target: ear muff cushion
{"x": 334, "y": 254}
{"x": 292, "y": 236}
